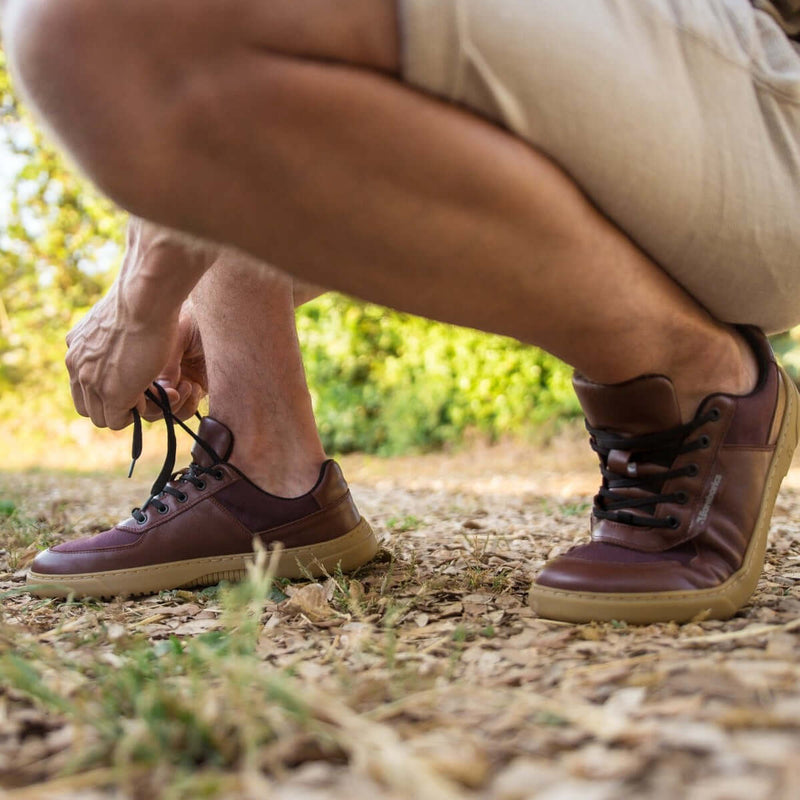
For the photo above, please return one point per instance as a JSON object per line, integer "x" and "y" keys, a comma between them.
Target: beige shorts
{"x": 679, "y": 119}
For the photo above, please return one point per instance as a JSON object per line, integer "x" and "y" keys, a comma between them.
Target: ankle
{"x": 280, "y": 451}
{"x": 284, "y": 475}
{"x": 723, "y": 362}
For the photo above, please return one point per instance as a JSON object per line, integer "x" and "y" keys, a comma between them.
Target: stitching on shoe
{"x": 242, "y": 527}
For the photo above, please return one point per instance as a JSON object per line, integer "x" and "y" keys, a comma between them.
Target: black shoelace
{"x": 192, "y": 474}
{"x": 657, "y": 450}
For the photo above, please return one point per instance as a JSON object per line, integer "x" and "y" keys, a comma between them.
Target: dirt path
{"x": 428, "y": 673}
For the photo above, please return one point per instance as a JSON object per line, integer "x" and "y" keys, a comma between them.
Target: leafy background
{"x": 382, "y": 382}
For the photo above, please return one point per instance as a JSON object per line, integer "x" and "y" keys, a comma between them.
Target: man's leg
{"x": 256, "y": 382}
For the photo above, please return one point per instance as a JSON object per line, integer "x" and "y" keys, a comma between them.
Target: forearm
{"x": 160, "y": 269}
{"x": 134, "y": 333}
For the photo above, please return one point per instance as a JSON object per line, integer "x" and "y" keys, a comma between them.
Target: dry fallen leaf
{"x": 311, "y": 601}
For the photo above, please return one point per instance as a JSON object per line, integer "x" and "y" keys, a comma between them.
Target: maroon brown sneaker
{"x": 199, "y": 529}
{"x": 679, "y": 527}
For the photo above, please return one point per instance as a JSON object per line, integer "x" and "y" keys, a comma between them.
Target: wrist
{"x": 153, "y": 289}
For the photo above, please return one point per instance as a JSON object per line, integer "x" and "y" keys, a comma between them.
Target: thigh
{"x": 680, "y": 120}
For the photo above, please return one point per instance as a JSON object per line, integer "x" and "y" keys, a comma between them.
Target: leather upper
{"x": 221, "y": 516}
{"x": 722, "y": 495}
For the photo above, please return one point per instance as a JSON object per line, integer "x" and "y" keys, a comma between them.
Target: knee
{"x": 50, "y": 52}
{"x": 100, "y": 80}
{"x": 61, "y": 59}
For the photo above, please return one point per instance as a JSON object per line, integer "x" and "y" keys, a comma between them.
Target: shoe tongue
{"x": 217, "y": 436}
{"x": 639, "y": 406}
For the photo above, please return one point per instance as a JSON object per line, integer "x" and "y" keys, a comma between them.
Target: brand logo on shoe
{"x": 712, "y": 493}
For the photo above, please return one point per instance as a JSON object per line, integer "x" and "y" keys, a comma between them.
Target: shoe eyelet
{"x": 674, "y": 522}
{"x": 141, "y": 520}
{"x": 705, "y": 441}
{"x": 218, "y": 474}
{"x": 163, "y": 509}
{"x": 693, "y": 470}
{"x": 182, "y": 497}
{"x": 715, "y": 414}
{"x": 200, "y": 485}
{"x": 682, "y": 498}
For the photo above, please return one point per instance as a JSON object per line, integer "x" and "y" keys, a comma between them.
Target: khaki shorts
{"x": 679, "y": 119}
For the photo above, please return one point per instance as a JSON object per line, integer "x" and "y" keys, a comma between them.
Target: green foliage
{"x": 787, "y": 348}
{"x": 382, "y": 382}
{"x": 386, "y": 383}
{"x": 59, "y": 241}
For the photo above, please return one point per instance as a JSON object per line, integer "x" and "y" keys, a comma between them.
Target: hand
{"x": 135, "y": 333}
{"x": 112, "y": 359}
{"x": 184, "y": 375}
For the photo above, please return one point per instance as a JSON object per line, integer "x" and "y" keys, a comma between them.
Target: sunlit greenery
{"x": 59, "y": 241}
{"x": 382, "y": 382}
{"x": 388, "y": 383}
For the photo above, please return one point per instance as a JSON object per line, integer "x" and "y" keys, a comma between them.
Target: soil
{"x": 437, "y": 650}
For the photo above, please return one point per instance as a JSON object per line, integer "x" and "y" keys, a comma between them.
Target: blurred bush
{"x": 382, "y": 382}
{"x": 59, "y": 245}
{"x": 387, "y": 383}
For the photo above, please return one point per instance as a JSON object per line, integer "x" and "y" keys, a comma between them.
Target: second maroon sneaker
{"x": 199, "y": 529}
{"x": 679, "y": 527}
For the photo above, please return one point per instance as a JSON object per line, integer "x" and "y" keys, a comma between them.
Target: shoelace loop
{"x": 656, "y": 450}
{"x": 192, "y": 474}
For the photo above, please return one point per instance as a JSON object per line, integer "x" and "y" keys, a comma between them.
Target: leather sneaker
{"x": 199, "y": 528}
{"x": 679, "y": 527}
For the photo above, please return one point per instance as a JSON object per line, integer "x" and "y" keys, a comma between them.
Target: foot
{"x": 679, "y": 527}
{"x": 199, "y": 528}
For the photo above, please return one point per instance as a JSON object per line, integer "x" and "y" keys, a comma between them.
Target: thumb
{"x": 169, "y": 377}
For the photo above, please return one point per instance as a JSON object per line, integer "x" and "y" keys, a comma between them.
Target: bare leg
{"x": 336, "y": 170}
{"x": 257, "y": 386}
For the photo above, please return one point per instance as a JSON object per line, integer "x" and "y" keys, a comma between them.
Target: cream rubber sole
{"x": 719, "y": 602}
{"x": 346, "y": 552}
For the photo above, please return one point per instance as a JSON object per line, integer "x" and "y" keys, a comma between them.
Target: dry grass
{"x": 423, "y": 676}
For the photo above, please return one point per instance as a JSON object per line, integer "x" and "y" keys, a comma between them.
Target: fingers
{"x": 192, "y": 402}
{"x": 191, "y": 395}
{"x": 183, "y": 401}
{"x": 90, "y": 397}
{"x": 77, "y": 396}
{"x": 89, "y": 403}
{"x": 180, "y": 388}
{"x": 117, "y": 350}
{"x": 120, "y": 420}
{"x": 152, "y": 411}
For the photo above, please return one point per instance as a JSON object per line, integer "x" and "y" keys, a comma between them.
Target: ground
{"x": 423, "y": 676}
